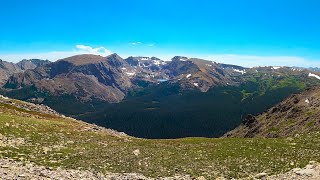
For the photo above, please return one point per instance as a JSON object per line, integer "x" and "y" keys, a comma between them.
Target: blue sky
{"x": 245, "y": 32}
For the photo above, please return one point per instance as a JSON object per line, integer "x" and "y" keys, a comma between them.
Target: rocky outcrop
{"x": 309, "y": 172}
{"x": 29, "y": 107}
{"x": 31, "y": 63}
{"x": 297, "y": 114}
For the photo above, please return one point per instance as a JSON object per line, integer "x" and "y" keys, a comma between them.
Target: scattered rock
{"x": 306, "y": 172}
{"x": 261, "y": 175}
{"x": 136, "y": 152}
{"x": 19, "y": 170}
{"x": 309, "y": 172}
{"x": 201, "y": 178}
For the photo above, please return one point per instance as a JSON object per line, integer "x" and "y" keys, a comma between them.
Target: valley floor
{"x": 33, "y": 142}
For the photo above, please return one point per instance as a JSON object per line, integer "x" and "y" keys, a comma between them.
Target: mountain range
{"x": 151, "y": 98}
{"x": 7, "y": 68}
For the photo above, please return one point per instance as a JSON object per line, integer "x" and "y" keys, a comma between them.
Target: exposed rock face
{"x": 297, "y": 114}
{"x": 7, "y": 68}
{"x": 249, "y": 121}
{"x": 31, "y": 63}
{"x": 196, "y": 73}
{"x": 83, "y": 76}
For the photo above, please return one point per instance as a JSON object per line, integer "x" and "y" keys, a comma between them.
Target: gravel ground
{"x": 310, "y": 172}
{"x": 10, "y": 169}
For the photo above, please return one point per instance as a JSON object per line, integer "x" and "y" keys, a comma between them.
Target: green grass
{"x": 70, "y": 147}
{"x": 274, "y": 129}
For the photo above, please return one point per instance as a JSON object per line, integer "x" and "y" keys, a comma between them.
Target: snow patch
{"x": 123, "y": 68}
{"x": 239, "y": 71}
{"x": 196, "y": 84}
{"x": 296, "y": 69}
{"x": 314, "y": 75}
{"x": 189, "y": 75}
{"x": 208, "y": 65}
{"x": 276, "y": 67}
{"x": 156, "y": 62}
{"x": 131, "y": 73}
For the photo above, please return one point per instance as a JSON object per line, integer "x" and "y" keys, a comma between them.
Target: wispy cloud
{"x": 88, "y": 49}
{"x": 136, "y": 43}
{"x": 254, "y": 60}
{"x": 55, "y": 55}
{"x": 250, "y": 60}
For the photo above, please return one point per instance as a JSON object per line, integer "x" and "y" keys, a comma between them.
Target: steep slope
{"x": 31, "y": 63}
{"x": 35, "y": 142}
{"x": 7, "y": 69}
{"x": 296, "y": 115}
{"x": 193, "y": 73}
{"x": 84, "y": 77}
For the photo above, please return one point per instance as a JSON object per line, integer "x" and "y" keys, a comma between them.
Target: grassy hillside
{"x": 297, "y": 114}
{"x": 58, "y": 142}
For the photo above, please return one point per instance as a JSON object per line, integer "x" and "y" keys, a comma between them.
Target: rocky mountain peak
{"x": 31, "y": 63}
{"x": 179, "y": 58}
{"x": 133, "y": 61}
{"x": 114, "y": 56}
{"x": 84, "y": 59}
{"x": 115, "y": 60}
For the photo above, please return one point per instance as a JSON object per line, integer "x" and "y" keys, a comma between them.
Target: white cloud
{"x": 136, "y": 43}
{"x": 55, "y": 55}
{"x": 99, "y": 51}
